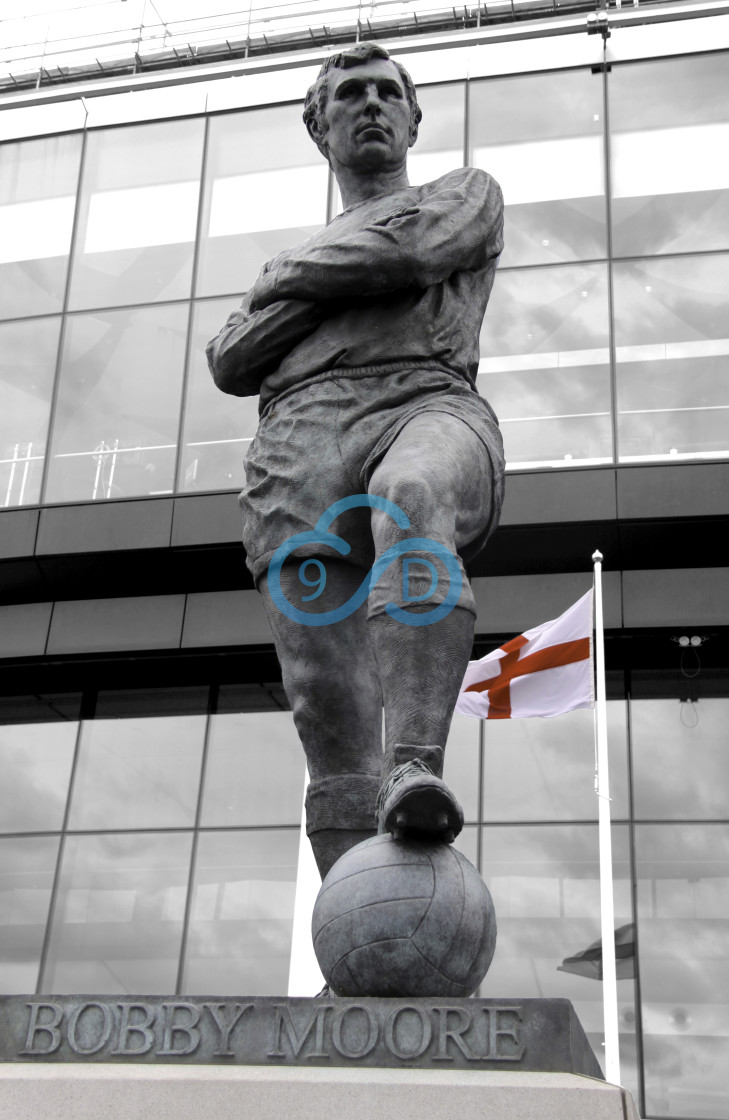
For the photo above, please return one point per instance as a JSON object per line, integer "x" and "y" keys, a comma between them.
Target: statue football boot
{"x": 414, "y": 800}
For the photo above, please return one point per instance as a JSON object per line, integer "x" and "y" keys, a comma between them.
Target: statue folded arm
{"x": 457, "y": 227}
{"x": 253, "y": 343}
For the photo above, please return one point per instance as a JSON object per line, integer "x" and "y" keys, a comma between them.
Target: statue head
{"x": 317, "y": 97}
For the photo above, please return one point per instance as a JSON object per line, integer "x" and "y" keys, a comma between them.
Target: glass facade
{"x": 144, "y": 850}
{"x": 141, "y": 847}
{"x": 605, "y": 340}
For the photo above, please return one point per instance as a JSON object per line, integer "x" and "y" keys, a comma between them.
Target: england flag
{"x": 546, "y": 671}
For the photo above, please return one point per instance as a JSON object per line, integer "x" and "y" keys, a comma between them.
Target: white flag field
{"x": 546, "y": 671}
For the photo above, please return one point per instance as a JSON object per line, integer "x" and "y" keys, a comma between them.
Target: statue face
{"x": 368, "y": 115}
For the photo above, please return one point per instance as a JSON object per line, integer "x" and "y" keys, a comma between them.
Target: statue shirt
{"x": 399, "y": 281}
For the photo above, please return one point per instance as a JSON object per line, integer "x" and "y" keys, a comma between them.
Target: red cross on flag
{"x": 546, "y": 671}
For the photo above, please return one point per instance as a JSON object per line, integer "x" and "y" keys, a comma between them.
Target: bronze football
{"x": 403, "y": 918}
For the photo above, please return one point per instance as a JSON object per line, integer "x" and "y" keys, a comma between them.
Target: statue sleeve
{"x": 452, "y": 225}
{"x": 253, "y": 344}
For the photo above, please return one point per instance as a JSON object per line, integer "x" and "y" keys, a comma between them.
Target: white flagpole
{"x": 602, "y": 788}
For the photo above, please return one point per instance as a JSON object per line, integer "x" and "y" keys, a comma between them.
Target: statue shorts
{"x": 322, "y": 442}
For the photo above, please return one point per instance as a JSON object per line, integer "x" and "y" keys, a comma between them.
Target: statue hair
{"x": 318, "y": 94}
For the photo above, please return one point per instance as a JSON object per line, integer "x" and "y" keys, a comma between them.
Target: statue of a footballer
{"x": 363, "y": 345}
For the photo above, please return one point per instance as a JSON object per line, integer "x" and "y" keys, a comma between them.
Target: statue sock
{"x": 340, "y": 812}
{"x": 421, "y": 668}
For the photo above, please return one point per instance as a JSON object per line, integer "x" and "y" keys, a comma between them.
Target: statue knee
{"x": 408, "y": 489}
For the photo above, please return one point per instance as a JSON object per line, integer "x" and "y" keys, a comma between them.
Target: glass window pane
{"x": 42, "y": 708}
{"x": 255, "y": 770}
{"x": 467, "y": 842}
{"x": 28, "y": 352}
{"x": 38, "y": 182}
{"x": 35, "y": 763}
{"x": 543, "y": 769}
{"x": 218, "y": 427}
{"x": 669, "y": 124}
{"x": 260, "y": 197}
{"x": 545, "y": 883}
{"x": 668, "y": 738}
{"x": 541, "y": 137}
{"x": 115, "y": 428}
{"x": 269, "y": 697}
{"x": 27, "y": 867}
{"x": 242, "y": 914}
{"x": 174, "y": 700}
{"x": 460, "y": 769}
{"x": 672, "y": 341}
{"x": 683, "y": 926}
{"x": 439, "y": 147}
{"x": 545, "y": 365}
{"x": 118, "y": 917}
{"x": 138, "y": 773}
{"x": 138, "y": 214}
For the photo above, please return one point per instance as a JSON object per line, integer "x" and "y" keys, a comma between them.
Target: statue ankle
{"x": 432, "y": 756}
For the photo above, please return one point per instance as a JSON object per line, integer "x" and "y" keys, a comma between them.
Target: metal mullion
{"x": 627, "y": 257}
{"x": 43, "y": 962}
{"x": 331, "y": 195}
{"x": 191, "y": 307}
{"x": 212, "y": 704}
{"x": 181, "y": 829}
{"x": 64, "y": 317}
{"x": 609, "y": 248}
{"x": 576, "y": 263}
{"x": 467, "y": 147}
{"x": 134, "y": 306}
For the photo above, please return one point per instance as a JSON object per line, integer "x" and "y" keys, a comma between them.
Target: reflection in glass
{"x": 541, "y": 137}
{"x": 669, "y": 124}
{"x": 117, "y": 923}
{"x": 543, "y": 769}
{"x": 461, "y": 766}
{"x": 27, "y": 866}
{"x": 138, "y": 214}
{"x": 242, "y": 914}
{"x": 138, "y": 773}
{"x": 173, "y": 700}
{"x": 259, "y": 197}
{"x": 467, "y": 843}
{"x": 28, "y": 352}
{"x": 669, "y": 737}
{"x": 35, "y": 764}
{"x": 545, "y": 365}
{"x": 38, "y": 182}
{"x": 115, "y": 428}
{"x": 217, "y": 427}
{"x": 672, "y": 339}
{"x": 545, "y": 883}
{"x": 45, "y": 707}
{"x": 683, "y": 923}
{"x": 269, "y": 697}
{"x": 439, "y": 147}
{"x": 255, "y": 770}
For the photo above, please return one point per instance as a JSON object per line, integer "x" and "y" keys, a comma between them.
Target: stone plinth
{"x": 114, "y": 1092}
{"x": 471, "y": 1034}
